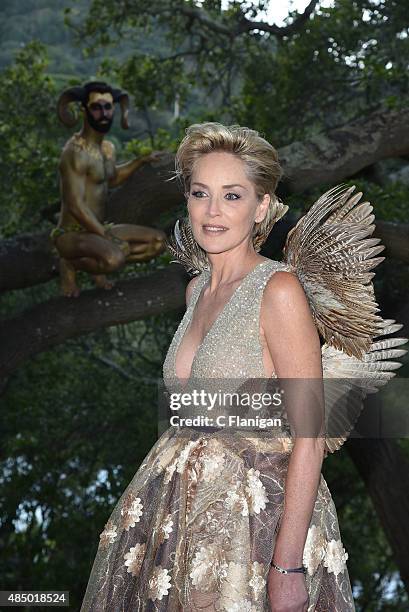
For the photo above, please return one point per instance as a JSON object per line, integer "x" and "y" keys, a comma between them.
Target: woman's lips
{"x": 214, "y": 230}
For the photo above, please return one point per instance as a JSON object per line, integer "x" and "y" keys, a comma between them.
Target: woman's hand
{"x": 287, "y": 592}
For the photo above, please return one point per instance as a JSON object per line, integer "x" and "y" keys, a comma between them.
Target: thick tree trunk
{"x": 345, "y": 151}
{"x": 385, "y": 471}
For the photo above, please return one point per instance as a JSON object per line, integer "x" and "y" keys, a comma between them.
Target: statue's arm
{"x": 73, "y": 175}
{"x": 123, "y": 171}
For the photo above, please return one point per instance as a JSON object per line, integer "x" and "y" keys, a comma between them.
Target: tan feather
{"x": 184, "y": 247}
{"x": 348, "y": 380}
{"x": 331, "y": 251}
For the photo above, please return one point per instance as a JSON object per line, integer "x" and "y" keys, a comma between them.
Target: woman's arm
{"x": 294, "y": 346}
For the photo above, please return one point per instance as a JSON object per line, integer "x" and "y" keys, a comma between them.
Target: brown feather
{"x": 331, "y": 252}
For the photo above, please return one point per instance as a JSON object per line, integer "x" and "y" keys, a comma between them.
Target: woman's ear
{"x": 262, "y": 208}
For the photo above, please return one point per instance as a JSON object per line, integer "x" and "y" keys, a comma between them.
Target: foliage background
{"x": 76, "y": 421}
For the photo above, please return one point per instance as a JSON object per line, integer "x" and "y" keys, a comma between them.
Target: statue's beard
{"x": 99, "y": 126}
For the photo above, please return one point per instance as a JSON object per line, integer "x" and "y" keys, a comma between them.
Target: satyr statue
{"x": 82, "y": 238}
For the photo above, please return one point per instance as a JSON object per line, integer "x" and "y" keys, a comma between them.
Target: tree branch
{"x": 343, "y": 152}
{"x": 51, "y": 323}
{"x": 385, "y": 471}
{"x": 248, "y": 25}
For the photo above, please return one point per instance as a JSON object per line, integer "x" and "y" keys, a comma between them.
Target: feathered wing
{"x": 331, "y": 252}
{"x": 184, "y": 247}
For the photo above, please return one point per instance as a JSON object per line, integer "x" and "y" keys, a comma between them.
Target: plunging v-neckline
{"x": 200, "y": 345}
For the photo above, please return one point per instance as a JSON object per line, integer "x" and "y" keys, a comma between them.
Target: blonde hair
{"x": 261, "y": 163}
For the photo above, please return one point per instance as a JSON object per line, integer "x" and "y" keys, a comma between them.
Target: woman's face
{"x": 222, "y": 195}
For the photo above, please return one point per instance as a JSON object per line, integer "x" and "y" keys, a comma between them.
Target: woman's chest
{"x": 232, "y": 347}
{"x": 234, "y": 344}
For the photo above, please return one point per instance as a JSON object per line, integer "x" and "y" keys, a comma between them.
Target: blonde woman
{"x": 221, "y": 520}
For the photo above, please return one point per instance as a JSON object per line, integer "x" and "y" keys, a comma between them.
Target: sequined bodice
{"x": 232, "y": 347}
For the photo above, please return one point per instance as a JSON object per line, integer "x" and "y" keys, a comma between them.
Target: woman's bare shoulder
{"x": 283, "y": 285}
{"x": 285, "y": 297}
{"x": 288, "y": 327}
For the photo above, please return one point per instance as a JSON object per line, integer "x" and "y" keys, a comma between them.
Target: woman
{"x": 215, "y": 520}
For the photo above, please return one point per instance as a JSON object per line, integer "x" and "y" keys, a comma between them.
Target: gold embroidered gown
{"x": 196, "y": 527}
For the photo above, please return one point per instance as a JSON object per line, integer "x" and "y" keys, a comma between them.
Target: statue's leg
{"x": 144, "y": 242}
{"x": 68, "y": 283}
{"x": 90, "y": 253}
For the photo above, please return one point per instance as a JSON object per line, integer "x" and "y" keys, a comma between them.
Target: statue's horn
{"x": 123, "y": 99}
{"x": 73, "y": 94}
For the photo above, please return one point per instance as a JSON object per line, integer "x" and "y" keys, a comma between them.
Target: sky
{"x": 278, "y": 9}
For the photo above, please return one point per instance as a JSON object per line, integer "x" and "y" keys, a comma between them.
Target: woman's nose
{"x": 214, "y": 204}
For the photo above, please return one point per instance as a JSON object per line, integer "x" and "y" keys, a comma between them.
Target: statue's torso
{"x": 95, "y": 168}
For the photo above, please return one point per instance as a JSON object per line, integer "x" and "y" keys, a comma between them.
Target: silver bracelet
{"x": 291, "y": 570}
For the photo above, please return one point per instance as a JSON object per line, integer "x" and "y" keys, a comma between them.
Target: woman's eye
{"x": 202, "y": 194}
{"x": 235, "y": 196}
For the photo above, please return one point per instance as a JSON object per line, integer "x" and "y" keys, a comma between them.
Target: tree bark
{"x": 346, "y": 150}
{"x": 395, "y": 237}
{"x": 385, "y": 471}
{"x": 51, "y": 323}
